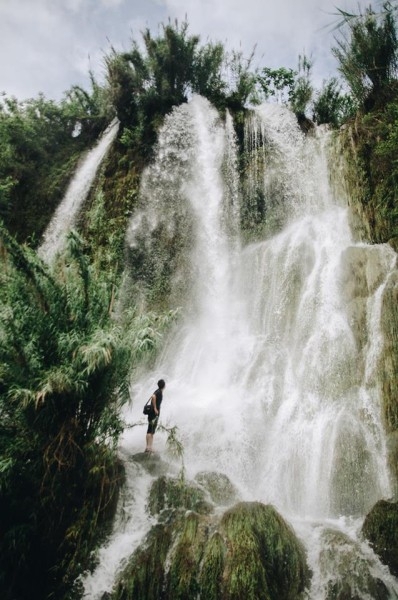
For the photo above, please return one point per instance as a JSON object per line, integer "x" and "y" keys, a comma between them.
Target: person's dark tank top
{"x": 159, "y": 398}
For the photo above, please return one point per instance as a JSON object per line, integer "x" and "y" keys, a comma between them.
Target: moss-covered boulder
{"x": 250, "y": 553}
{"x": 264, "y": 559}
{"x": 170, "y": 493}
{"x": 143, "y": 578}
{"x": 152, "y": 463}
{"x": 220, "y": 489}
{"x": 380, "y": 528}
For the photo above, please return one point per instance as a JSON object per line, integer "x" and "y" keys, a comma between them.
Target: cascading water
{"x": 66, "y": 213}
{"x": 272, "y": 373}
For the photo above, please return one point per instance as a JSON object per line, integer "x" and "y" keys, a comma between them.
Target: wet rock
{"x": 143, "y": 578}
{"x": 389, "y": 362}
{"x": 152, "y": 462}
{"x": 263, "y": 557}
{"x": 249, "y": 553}
{"x": 348, "y": 573}
{"x": 380, "y": 528}
{"x": 354, "y": 471}
{"x": 363, "y": 269}
{"x": 169, "y": 493}
{"x": 221, "y": 490}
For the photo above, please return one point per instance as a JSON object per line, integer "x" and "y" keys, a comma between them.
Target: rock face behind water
{"x": 247, "y": 553}
{"x": 350, "y": 576}
{"x": 381, "y": 529}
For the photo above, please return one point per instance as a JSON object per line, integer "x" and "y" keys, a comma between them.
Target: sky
{"x": 49, "y": 45}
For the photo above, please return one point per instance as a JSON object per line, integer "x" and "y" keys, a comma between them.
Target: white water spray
{"x": 272, "y": 374}
{"x": 66, "y": 213}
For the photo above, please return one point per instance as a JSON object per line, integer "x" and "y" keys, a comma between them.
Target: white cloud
{"x": 48, "y": 45}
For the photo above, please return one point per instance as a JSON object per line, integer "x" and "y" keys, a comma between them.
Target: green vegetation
{"x": 250, "y": 552}
{"x": 368, "y": 62}
{"x": 65, "y": 362}
{"x": 368, "y": 57}
{"x": 331, "y": 106}
{"x": 39, "y": 150}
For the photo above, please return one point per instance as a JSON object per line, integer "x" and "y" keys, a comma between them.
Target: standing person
{"x": 153, "y": 417}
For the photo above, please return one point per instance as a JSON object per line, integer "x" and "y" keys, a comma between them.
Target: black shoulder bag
{"x": 148, "y": 406}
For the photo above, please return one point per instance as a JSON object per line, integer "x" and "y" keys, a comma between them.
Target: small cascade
{"x": 66, "y": 213}
{"x": 272, "y": 372}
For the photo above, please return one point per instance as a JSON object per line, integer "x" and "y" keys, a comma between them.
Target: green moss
{"x": 389, "y": 362}
{"x": 381, "y": 529}
{"x": 220, "y": 488}
{"x": 175, "y": 494}
{"x": 264, "y": 559}
{"x": 143, "y": 578}
{"x": 182, "y": 579}
{"x": 211, "y": 573}
{"x": 250, "y": 554}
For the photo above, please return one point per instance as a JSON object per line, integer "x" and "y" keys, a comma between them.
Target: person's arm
{"x": 154, "y": 404}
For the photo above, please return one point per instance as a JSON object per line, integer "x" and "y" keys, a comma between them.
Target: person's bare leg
{"x": 149, "y": 442}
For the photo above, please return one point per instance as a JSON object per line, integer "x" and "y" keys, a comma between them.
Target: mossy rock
{"x": 219, "y": 487}
{"x": 250, "y": 554}
{"x": 349, "y": 574}
{"x": 380, "y": 528}
{"x": 169, "y": 493}
{"x": 143, "y": 578}
{"x": 151, "y": 462}
{"x": 264, "y": 560}
{"x": 212, "y": 570}
{"x": 183, "y": 575}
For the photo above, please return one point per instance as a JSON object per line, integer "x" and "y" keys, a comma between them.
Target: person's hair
{"x": 161, "y": 384}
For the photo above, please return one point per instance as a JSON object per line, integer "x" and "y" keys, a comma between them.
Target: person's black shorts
{"x": 152, "y": 423}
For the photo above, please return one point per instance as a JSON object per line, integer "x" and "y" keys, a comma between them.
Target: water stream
{"x": 272, "y": 372}
{"x": 65, "y": 216}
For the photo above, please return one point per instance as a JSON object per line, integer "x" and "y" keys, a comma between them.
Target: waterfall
{"x": 272, "y": 372}
{"x": 66, "y": 213}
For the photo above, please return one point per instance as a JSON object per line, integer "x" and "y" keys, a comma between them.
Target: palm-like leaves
{"x": 368, "y": 57}
{"x": 65, "y": 363}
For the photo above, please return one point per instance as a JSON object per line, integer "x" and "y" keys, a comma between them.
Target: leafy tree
{"x": 143, "y": 86}
{"x": 277, "y": 83}
{"x": 65, "y": 362}
{"x": 331, "y": 106}
{"x": 302, "y": 91}
{"x": 39, "y": 149}
{"x": 241, "y": 81}
{"x": 368, "y": 55}
{"x": 207, "y": 79}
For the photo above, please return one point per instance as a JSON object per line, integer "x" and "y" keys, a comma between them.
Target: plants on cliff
{"x": 39, "y": 148}
{"x": 65, "y": 362}
{"x": 331, "y": 105}
{"x": 276, "y": 83}
{"x": 368, "y": 55}
{"x": 302, "y": 91}
{"x": 145, "y": 85}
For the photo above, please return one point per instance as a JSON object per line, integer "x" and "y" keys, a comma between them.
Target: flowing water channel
{"x": 272, "y": 372}
{"x": 65, "y": 216}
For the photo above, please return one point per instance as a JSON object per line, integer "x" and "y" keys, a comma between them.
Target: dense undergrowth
{"x": 65, "y": 360}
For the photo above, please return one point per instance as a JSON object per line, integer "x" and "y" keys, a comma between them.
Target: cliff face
{"x": 364, "y": 161}
{"x": 373, "y": 215}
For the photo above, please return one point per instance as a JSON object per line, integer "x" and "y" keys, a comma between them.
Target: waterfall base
{"x": 248, "y": 552}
